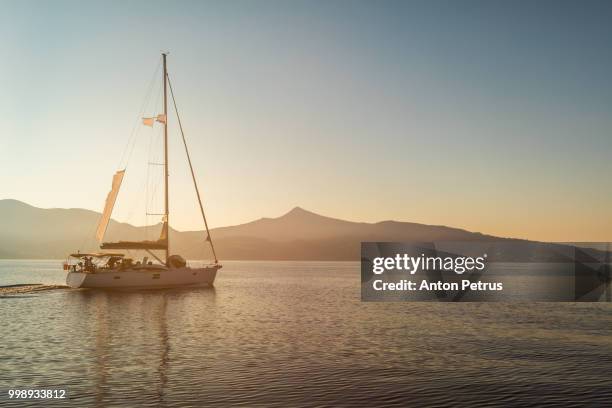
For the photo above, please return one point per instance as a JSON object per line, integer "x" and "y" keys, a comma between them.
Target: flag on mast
{"x": 150, "y": 121}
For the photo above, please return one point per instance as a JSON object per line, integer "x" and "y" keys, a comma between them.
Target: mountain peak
{"x": 297, "y": 209}
{"x": 298, "y": 212}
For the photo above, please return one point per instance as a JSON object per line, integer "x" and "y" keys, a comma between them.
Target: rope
{"x": 208, "y": 237}
{"x": 129, "y": 147}
{"x": 135, "y": 205}
{"x": 132, "y": 139}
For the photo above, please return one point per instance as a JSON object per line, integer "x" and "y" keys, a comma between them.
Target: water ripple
{"x": 279, "y": 334}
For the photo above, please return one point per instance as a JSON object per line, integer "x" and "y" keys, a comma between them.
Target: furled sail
{"x": 164, "y": 232}
{"x": 159, "y": 244}
{"x": 110, "y": 203}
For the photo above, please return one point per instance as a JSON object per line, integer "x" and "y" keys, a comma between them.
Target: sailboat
{"x": 113, "y": 270}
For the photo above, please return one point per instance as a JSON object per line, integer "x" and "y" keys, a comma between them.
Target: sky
{"x": 493, "y": 116}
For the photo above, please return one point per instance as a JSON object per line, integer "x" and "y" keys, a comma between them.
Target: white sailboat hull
{"x": 144, "y": 278}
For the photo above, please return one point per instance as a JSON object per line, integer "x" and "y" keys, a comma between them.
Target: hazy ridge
{"x": 34, "y": 233}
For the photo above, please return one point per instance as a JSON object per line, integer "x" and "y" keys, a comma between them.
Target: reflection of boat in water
{"x": 142, "y": 353}
{"x": 115, "y": 270}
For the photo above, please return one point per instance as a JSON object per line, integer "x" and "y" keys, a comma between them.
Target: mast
{"x": 166, "y": 207}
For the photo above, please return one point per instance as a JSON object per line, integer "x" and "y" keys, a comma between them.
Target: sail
{"x": 164, "y": 232}
{"x": 108, "y": 206}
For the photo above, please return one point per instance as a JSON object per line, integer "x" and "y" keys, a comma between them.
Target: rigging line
{"x": 151, "y": 155}
{"x": 145, "y": 104}
{"x": 146, "y": 196}
{"x": 131, "y": 144}
{"x": 156, "y": 178}
{"x": 132, "y": 139}
{"x": 156, "y": 185}
{"x": 150, "y": 198}
{"x": 143, "y": 192}
{"x": 209, "y": 238}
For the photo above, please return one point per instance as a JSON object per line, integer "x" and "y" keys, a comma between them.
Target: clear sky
{"x": 494, "y": 116}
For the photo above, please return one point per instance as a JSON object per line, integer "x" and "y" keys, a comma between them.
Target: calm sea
{"x": 295, "y": 334}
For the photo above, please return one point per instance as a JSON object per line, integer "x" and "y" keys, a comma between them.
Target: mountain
{"x": 30, "y": 232}
{"x": 301, "y": 234}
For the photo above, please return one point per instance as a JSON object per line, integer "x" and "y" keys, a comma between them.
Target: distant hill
{"x": 30, "y": 232}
